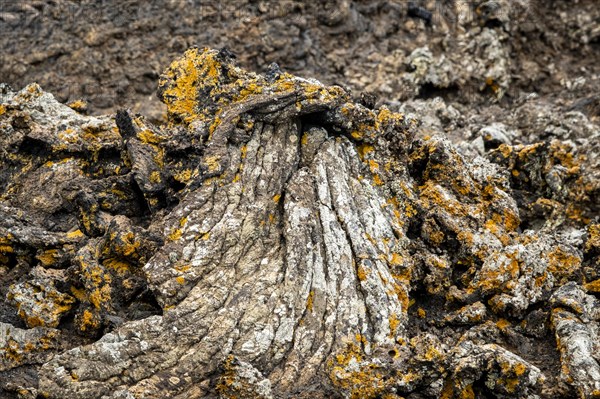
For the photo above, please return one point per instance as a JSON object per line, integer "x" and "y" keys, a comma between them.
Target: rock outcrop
{"x": 277, "y": 238}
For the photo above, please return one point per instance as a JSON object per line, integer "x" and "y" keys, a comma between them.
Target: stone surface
{"x": 278, "y": 238}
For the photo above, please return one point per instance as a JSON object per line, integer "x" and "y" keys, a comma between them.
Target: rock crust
{"x": 277, "y": 238}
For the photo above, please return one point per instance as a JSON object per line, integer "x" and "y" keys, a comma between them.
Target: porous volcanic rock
{"x": 277, "y": 238}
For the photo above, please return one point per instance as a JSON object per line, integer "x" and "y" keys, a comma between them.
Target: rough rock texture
{"x": 470, "y": 52}
{"x": 277, "y": 238}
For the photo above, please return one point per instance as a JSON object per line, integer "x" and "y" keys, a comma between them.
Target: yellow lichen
{"x": 593, "y": 240}
{"x": 364, "y": 150}
{"x": 394, "y": 323}
{"x": 366, "y": 381}
{"x": 183, "y": 176}
{"x": 185, "y": 77}
{"x": 309, "y": 301}
{"x": 361, "y": 273}
{"x": 175, "y": 234}
{"x": 149, "y": 137}
{"x": 48, "y": 257}
{"x": 117, "y": 265}
{"x": 212, "y": 163}
{"x": 77, "y": 105}
{"x": 155, "y": 177}
{"x": 562, "y": 264}
{"x": 593, "y": 286}
{"x": 396, "y": 259}
{"x": 88, "y": 321}
{"x": 75, "y": 234}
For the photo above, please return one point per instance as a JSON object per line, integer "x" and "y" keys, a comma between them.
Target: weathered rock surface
{"x": 276, "y": 238}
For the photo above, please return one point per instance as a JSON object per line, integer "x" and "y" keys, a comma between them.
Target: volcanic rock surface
{"x": 279, "y": 238}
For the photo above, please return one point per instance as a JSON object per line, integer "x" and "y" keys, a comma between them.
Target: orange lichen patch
{"x": 185, "y": 77}
{"x": 511, "y": 220}
{"x": 527, "y": 151}
{"x": 394, "y": 321}
{"x": 100, "y": 296}
{"x": 364, "y": 150}
{"x": 373, "y": 166}
{"x": 503, "y": 324}
{"x": 175, "y": 234}
{"x": 304, "y": 140}
{"x": 510, "y": 375}
{"x": 396, "y": 259}
{"x": 155, "y": 177}
{"x": 448, "y": 390}
{"x": 574, "y": 212}
{"x": 183, "y": 176}
{"x": 120, "y": 267}
{"x": 180, "y": 280}
{"x": 227, "y": 381}
{"x": 360, "y": 379}
{"x": 465, "y": 236}
{"x": 593, "y": 239}
{"x": 437, "y": 237}
{"x": 75, "y": 234}
{"x": 13, "y": 351}
{"x": 593, "y": 286}
{"x": 126, "y": 245}
{"x": 87, "y": 320}
{"x": 547, "y": 204}
{"x": 212, "y": 163}
{"x": 182, "y": 268}
{"x": 377, "y": 180}
{"x": 310, "y": 301}
{"x": 520, "y": 369}
{"x": 433, "y": 195}
{"x": 490, "y": 279}
{"x": 234, "y": 382}
{"x": 149, "y": 137}
{"x": 79, "y": 294}
{"x": 421, "y": 313}
{"x": 98, "y": 283}
{"x": 361, "y": 273}
{"x": 357, "y": 135}
{"x": 467, "y": 393}
{"x": 497, "y": 229}
{"x": 87, "y": 217}
{"x": 247, "y": 89}
{"x": 38, "y": 305}
{"x": 562, "y": 264}
{"x": 564, "y": 154}
{"x": 6, "y": 244}
{"x": 48, "y": 257}
{"x": 505, "y": 150}
{"x": 276, "y": 198}
{"x": 78, "y": 105}
{"x": 2, "y": 110}
{"x": 401, "y": 290}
